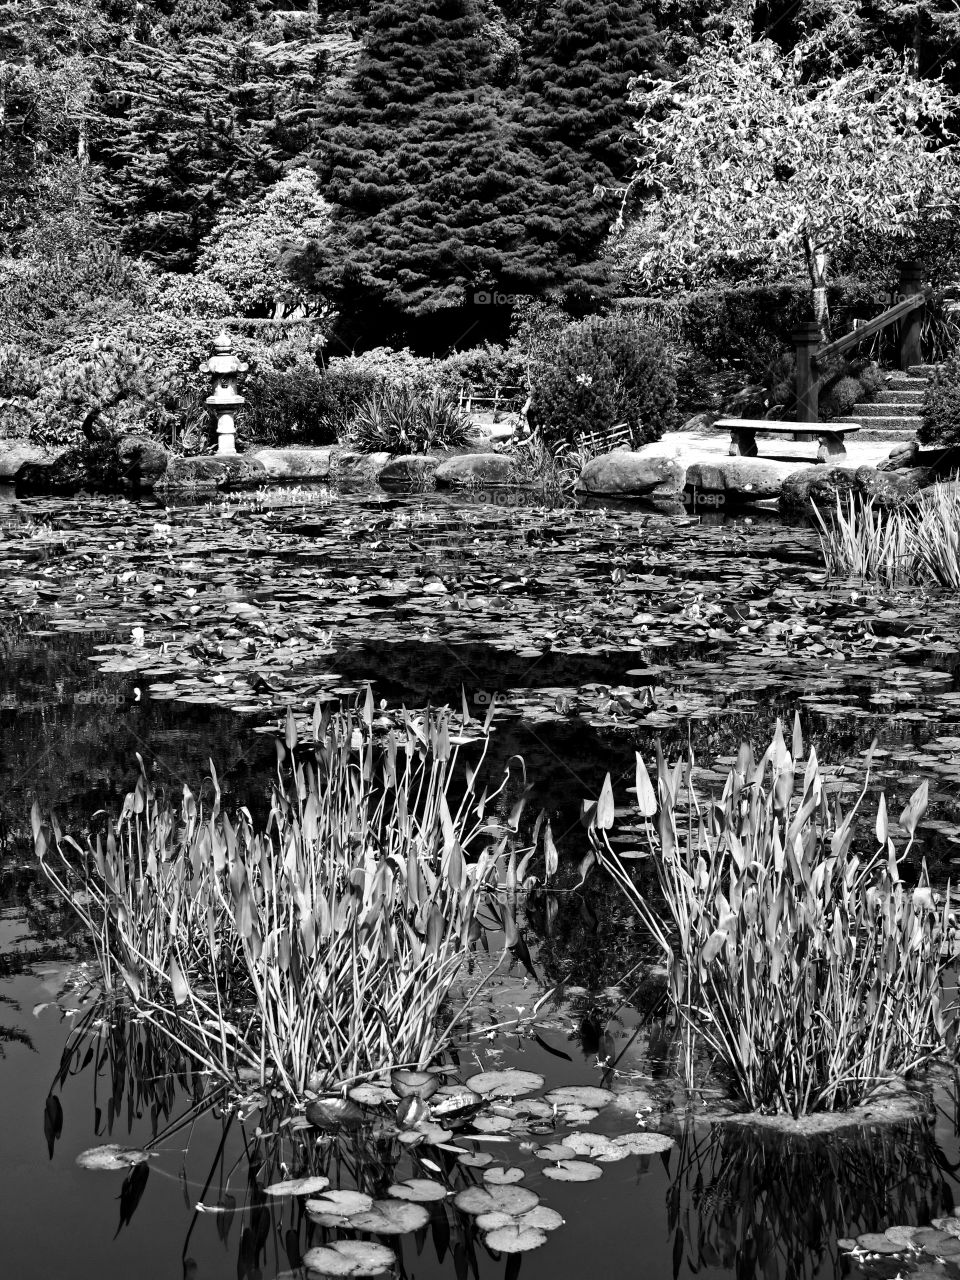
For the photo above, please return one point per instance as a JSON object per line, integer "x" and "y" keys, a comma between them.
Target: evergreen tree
{"x": 576, "y": 77}
{"x": 437, "y": 202}
{"x": 191, "y": 128}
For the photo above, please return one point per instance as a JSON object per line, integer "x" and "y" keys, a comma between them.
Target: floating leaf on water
{"x": 633, "y": 1100}
{"x": 513, "y": 1200}
{"x": 573, "y": 1171}
{"x": 492, "y": 1124}
{"x": 542, "y": 1217}
{"x": 903, "y": 1236}
{"x": 452, "y": 1105}
{"x": 334, "y": 1113}
{"x": 372, "y": 1095}
{"x": 586, "y": 1095}
{"x": 391, "y": 1218}
{"x": 876, "y": 1242}
{"x": 111, "y": 1157}
{"x": 595, "y": 1145}
{"x": 298, "y": 1186}
{"x": 514, "y": 1239}
{"x": 476, "y": 1159}
{"x": 505, "y": 1084}
{"x": 350, "y": 1258}
{"x": 418, "y": 1189}
{"x": 420, "y": 1084}
{"x": 424, "y": 1133}
{"x": 336, "y": 1208}
{"x": 554, "y": 1151}
{"x": 644, "y": 1144}
{"x": 500, "y": 1177}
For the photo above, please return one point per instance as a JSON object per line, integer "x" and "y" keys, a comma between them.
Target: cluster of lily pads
{"x": 921, "y": 1249}
{"x": 448, "y": 1126}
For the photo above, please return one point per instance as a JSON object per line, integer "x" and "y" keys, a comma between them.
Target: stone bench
{"x": 744, "y": 431}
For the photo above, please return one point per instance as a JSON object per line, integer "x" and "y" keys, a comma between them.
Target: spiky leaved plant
{"x": 809, "y": 968}
{"x": 321, "y": 948}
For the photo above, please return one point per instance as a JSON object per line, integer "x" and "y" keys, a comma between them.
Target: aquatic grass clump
{"x": 916, "y": 544}
{"x": 810, "y": 969}
{"x": 321, "y": 948}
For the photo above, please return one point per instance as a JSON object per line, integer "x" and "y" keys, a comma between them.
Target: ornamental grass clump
{"x": 808, "y": 967}
{"x": 320, "y": 948}
{"x": 916, "y": 544}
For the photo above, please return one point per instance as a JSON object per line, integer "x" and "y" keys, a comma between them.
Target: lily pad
{"x": 573, "y": 1171}
{"x": 350, "y": 1258}
{"x": 391, "y": 1218}
{"x": 336, "y": 1208}
{"x": 500, "y": 1177}
{"x": 505, "y": 1084}
{"x": 334, "y": 1113}
{"x": 475, "y": 1159}
{"x": 418, "y": 1189}
{"x": 644, "y": 1144}
{"x": 584, "y": 1095}
{"x": 419, "y": 1084}
{"x": 492, "y": 1124}
{"x": 298, "y": 1186}
{"x": 514, "y": 1239}
{"x": 876, "y": 1242}
{"x": 111, "y": 1157}
{"x": 372, "y": 1095}
{"x": 513, "y": 1200}
{"x": 555, "y": 1151}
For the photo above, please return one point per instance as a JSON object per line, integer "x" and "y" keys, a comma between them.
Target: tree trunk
{"x": 818, "y": 269}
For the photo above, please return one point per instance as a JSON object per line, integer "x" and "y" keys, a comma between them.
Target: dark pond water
{"x": 183, "y": 634}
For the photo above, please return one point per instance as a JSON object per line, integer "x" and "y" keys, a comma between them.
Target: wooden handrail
{"x": 888, "y": 317}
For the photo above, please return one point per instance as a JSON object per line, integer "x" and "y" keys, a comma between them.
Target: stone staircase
{"x": 897, "y": 412}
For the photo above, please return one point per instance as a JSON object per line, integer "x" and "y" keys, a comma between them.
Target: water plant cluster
{"x": 322, "y": 947}
{"x": 803, "y": 962}
{"x": 919, "y": 543}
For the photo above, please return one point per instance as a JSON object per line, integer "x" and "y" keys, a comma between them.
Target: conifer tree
{"x": 437, "y": 202}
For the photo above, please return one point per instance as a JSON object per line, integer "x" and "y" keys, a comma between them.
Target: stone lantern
{"x": 225, "y": 369}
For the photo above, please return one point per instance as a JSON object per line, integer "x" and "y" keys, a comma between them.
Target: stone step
{"x": 902, "y": 395}
{"x": 904, "y": 382}
{"x": 888, "y": 412}
{"x": 922, "y": 370}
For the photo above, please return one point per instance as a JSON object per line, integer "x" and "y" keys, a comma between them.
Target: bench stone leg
{"x": 831, "y": 446}
{"x": 743, "y": 444}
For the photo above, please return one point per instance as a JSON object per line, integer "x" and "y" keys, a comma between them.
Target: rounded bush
{"x": 941, "y": 405}
{"x": 602, "y": 372}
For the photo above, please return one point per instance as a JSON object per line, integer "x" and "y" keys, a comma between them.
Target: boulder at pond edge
{"x": 824, "y": 485}
{"x": 739, "y": 480}
{"x": 476, "y": 469}
{"x": 407, "y": 469}
{"x": 627, "y": 474}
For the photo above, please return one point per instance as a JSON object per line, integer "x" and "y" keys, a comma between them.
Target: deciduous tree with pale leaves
{"x": 748, "y": 167}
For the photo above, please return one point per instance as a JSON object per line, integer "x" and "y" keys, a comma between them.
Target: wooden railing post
{"x": 806, "y": 339}
{"x": 911, "y": 278}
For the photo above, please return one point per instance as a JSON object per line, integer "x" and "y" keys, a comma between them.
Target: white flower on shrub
{"x": 584, "y": 380}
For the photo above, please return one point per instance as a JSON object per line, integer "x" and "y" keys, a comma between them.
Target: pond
{"x": 184, "y": 633}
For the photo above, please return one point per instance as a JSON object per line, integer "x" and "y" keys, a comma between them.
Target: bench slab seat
{"x": 744, "y": 431}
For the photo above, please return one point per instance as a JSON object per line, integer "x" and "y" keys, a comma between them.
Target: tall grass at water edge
{"x": 808, "y": 967}
{"x": 916, "y": 544}
{"x": 320, "y": 949}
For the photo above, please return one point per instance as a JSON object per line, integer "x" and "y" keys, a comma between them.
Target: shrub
{"x": 314, "y": 951}
{"x": 407, "y": 419}
{"x": 285, "y": 405}
{"x": 604, "y": 371}
{"x": 813, "y": 972}
{"x": 941, "y": 405}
